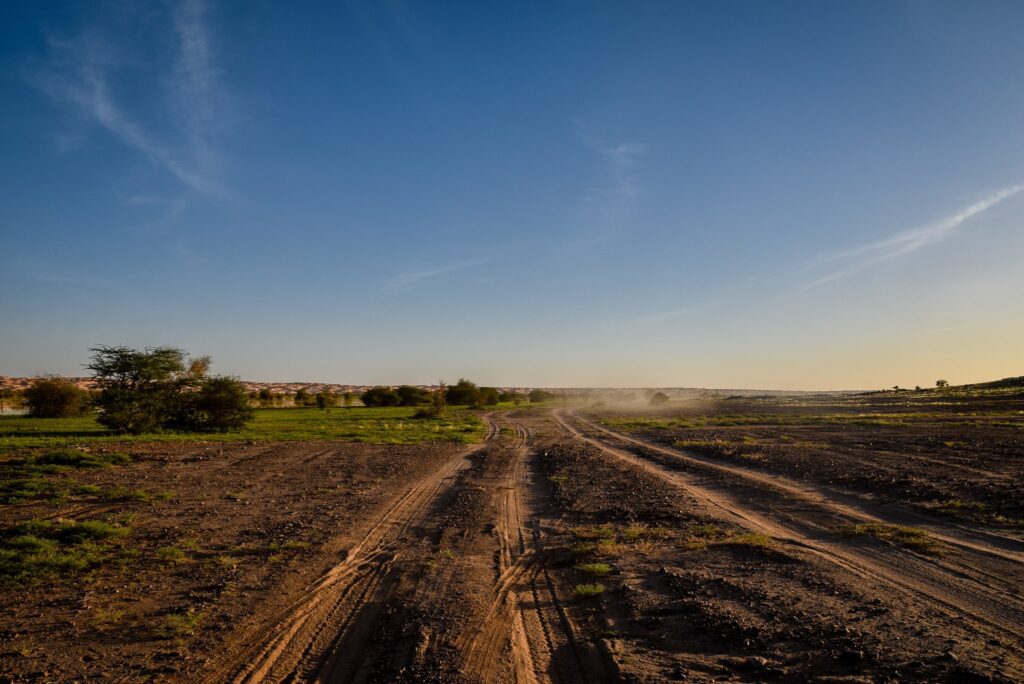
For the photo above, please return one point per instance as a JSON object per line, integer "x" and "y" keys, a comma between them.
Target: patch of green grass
{"x": 593, "y": 533}
{"x": 601, "y": 548}
{"x": 226, "y": 561}
{"x": 191, "y": 543}
{"x": 587, "y": 591}
{"x": 959, "y": 507}
{"x": 701, "y": 444}
{"x": 171, "y": 555}
{"x": 748, "y": 539}
{"x": 103, "y": 618}
{"x": 709, "y": 531}
{"x": 391, "y": 425}
{"x": 81, "y": 459}
{"x": 25, "y": 488}
{"x": 69, "y": 531}
{"x": 39, "y": 549}
{"x": 177, "y": 625}
{"x": 595, "y": 569}
{"x": 909, "y": 537}
{"x": 638, "y": 531}
{"x": 23, "y": 478}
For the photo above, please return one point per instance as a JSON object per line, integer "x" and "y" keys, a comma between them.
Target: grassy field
{"x": 373, "y": 425}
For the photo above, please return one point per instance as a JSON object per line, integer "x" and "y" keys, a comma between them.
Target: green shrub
{"x": 55, "y": 398}
{"x": 586, "y": 591}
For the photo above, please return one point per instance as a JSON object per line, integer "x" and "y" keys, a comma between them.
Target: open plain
{"x": 873, "y": 537}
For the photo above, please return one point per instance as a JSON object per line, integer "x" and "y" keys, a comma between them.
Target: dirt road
{"x": 452, "y": 583}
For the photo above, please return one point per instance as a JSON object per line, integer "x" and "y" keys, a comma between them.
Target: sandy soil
{"x": 443, "y": 564}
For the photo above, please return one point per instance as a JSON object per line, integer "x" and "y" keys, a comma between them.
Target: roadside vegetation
{"x": 39, "y": 549}
{"x": 393, "y": 425}
{"x": 24, "y": 477}
{"x": 909, "y": 537}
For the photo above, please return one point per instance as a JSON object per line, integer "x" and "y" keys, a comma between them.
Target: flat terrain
{"x": 832, "y": 538}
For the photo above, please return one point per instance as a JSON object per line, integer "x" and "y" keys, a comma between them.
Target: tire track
{"x": 960, "y": 596}
{"x": 306, "y": 638}
{"x": 527, "y": 617}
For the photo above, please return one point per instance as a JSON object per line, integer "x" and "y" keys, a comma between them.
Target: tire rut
{"x": 956, "y": 593}
{"x": 305, "y": 640}
{"x": 527, "y": 617}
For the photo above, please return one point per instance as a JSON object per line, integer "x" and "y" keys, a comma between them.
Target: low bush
{"x": 56, "y": 398}
{"x": 587, "y": 591}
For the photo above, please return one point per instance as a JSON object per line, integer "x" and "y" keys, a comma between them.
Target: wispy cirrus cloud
{"x": 410, "y": 279}
{"x": 81, "y": 73}
{"x": 907, "y": 241}
{"x": 615, "y": 186}
{"x": 195, "y": 82}
{"x": 618, "y": 181}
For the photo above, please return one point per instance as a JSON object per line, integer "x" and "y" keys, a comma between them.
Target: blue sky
{"x": 788, "y": 194}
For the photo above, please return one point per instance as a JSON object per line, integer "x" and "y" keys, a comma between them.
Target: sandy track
{"x": 528, "y": 616}
{"x": 307, "y": 641}
{"x": 977, "y": 586}
{"x": 843, "y": 506}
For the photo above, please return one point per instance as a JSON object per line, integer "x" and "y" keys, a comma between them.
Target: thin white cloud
{"x": 404, "y": 281}
{"x": 607, "y": 199}
{"x": 195, "y": 80}
{"x": 79, "y": 75}
{"x": 619, "y": 181}
{"x": 907, "y": 241}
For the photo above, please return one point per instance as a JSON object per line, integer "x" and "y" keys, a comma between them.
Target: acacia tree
{"x": 158, "y": 387}
{"x": 139, "y": 389}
